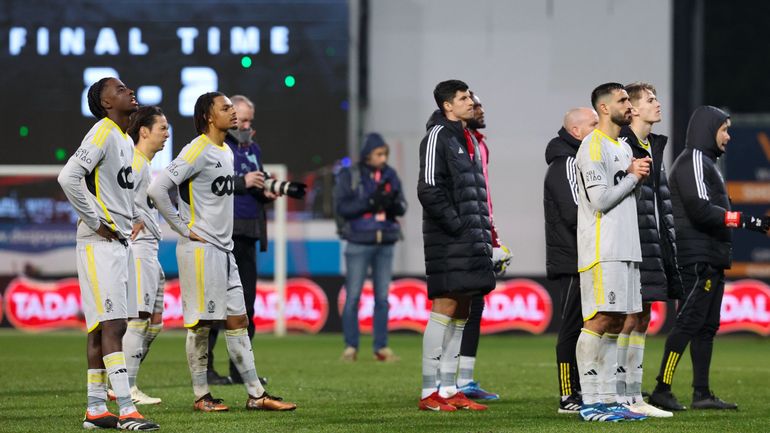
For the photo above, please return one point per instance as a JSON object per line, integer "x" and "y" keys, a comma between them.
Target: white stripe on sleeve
{"x": 430, "y": 156}
{"x": 697, "y": 162}
{"x": 573, "y": 186}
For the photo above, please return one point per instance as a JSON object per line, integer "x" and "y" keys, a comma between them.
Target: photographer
{"x": 254, "y": 189}
{"x": 368, "y": 197}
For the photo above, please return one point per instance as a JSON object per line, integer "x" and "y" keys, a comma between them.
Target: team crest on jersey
{"x": 108, "y": 305}
{"x": 212, "y": 306}
{"x": 146, "y": 299}
{"x": 611, "y": 297}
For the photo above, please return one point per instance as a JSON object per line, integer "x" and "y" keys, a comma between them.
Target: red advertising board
{"x": 515, "y": 305}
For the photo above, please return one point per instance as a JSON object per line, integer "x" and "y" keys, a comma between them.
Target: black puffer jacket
{"x": 560, "y": 206}
{"x": 699, "y": 195}
{"x": 659, "y": 270}
{"x": 455, "y": 218}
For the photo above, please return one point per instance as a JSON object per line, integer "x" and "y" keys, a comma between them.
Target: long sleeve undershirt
{"x": 603, "y": 197}
{"x": 70, "y": 179}
{"x": 158, "y": 191}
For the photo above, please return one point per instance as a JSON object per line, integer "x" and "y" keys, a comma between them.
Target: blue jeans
{"x": 358, "y": 259}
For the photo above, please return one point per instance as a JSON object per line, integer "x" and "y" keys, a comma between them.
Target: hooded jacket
{"x": 455, "y": 218}
{"x": 560, "y": 198}
{"x": 659, "y": 271}
{"x": 352, "y": 202}
{"x": 699, "y": 195}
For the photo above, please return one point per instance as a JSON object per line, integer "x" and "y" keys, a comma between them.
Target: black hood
{"x": 561, "y": 146}
{"x": 438, "y": 118}
{"x": 702, "y": 129}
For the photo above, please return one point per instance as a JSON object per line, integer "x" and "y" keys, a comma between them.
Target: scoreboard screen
{"x": 289, "y": 57}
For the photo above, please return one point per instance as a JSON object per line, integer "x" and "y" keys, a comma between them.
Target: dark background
{"x": 304, "y": 126}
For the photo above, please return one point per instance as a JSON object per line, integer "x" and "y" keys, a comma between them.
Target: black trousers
{"x": 569, "y": 331}
{"x": 245, "y": 253}
{"x": 470, "y": 342}
{"x": 697, "y": 322}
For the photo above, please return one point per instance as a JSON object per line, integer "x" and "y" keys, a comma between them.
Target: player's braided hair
{"x": 95, "y": 98}
{"x": 144, "y": 116}
{"x": 202, "y": 108}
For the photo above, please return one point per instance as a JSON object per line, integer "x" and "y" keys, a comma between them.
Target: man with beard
{"x": 608, "y": 250}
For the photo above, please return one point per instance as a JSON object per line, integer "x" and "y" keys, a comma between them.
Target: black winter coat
{"x": 455, "y": 218}
{"x": 560, "y": 206}
{"x": 699, "y": 195}
{"x": 659, "y": 271}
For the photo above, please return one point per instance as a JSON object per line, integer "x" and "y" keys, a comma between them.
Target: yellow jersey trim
{"x": 598, "y": 235}
{"x": 200, "y": 277}
{"x": 196, "y": 148}
{"x": 94, "y": 281}
{"x": 101, "y": 133}
{"x": 615, "y": 142}
{"x": 99, "y": 200}
{"x": 192, "y": 207}
{"x": 115, "y": 125}
{"x": 590, "y": 332}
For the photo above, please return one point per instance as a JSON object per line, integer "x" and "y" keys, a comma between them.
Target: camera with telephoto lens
{"x": 284, "y": 187}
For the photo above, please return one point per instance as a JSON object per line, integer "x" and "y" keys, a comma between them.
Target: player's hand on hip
{"x": 106, "y": 233}
{"x": 196, "y": 238}
{"x": 254, "y": 179}
{"x": 138, "y": 227}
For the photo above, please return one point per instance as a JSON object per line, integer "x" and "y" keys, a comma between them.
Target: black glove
{"x": 761, "y": 224}
{"x": 378, "y": 198}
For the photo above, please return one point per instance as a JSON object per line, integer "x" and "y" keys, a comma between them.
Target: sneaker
{"x": 460, "y": 401}
{"x": 710, "y": 401}
{"x": 349, "y": 354}
{"x": 103, "y": 420}
{"x": 571, "y": 404}
{"x": 213, "y": 378}
{"x": 207, "y": 403}
{"x": 386, "y": 355}
{"x": 268, "y": 402}
{"x": 599, "y": 413}
{"x": 138, "y": 397}
{"x": 665, "y": 400}
{"x": 623, "y": 411}
{"x": 134, "y": 421}
{"x": 474, "y": 391}
{"x": 648, "y": 410}
{"x": 436, "y": 403}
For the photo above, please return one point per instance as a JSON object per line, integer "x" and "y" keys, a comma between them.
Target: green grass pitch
{"x": 42, "y": 387}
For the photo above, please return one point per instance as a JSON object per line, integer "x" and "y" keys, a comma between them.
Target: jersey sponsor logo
{"x": 619, "y": 176}
{"x": 38, "y": 305}
{"x": 223, "y": 185}
{"x": 126, "y": 177}
{"x": 746, "y": 307}
{"x": 306, "y": 308}
{"x": 82, "y": 154}
{"x": 593, "y": 176}
{"x": 518, "y": 304}
{"x": 173, "y": 168}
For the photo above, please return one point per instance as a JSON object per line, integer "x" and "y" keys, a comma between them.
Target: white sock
{"x": 240, "y": 351}
{"x": 450, "y": 358}
{"x": 608, "y": 365}
{"x": 432, "y": 341}
{"x": 133, "y": 347}
{"x": 152, "y": 332}
{"x": 115, "y": 364}
{"x": 97, "y": 391}
{"x": 635, "y": 358}
{"x": 587, "y": 354}
{"x": 467, "y": 364}
{"x": 622, "y": 366}
{"x": 197, "y": 348}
